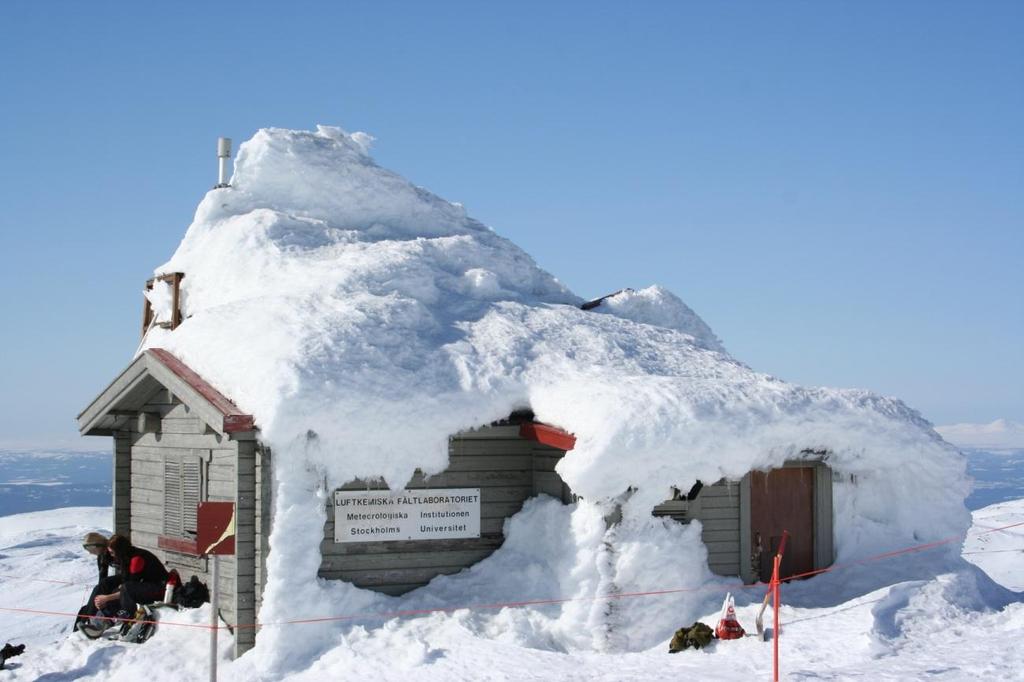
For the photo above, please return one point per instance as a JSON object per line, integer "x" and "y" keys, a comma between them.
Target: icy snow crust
{"x": 363, "y": 320}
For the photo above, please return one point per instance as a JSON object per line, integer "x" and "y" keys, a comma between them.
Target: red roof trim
{"x": 547, "y": 435}
{"x": 234, "y": 420}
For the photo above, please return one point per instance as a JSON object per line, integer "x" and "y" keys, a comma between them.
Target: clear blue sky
{"x": 837, "y": 188}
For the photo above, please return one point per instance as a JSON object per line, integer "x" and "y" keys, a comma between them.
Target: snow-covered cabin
{"x": 179, "y": 441}
{"x": 343, "y": 332}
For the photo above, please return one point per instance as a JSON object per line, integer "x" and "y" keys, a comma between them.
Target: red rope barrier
{"x": 897, "y": 552}
{"x": 498, "y": 605}
{"x": 622, "y": 595}
{"x": 62, "y": 614}
{"x": 876, "y": 557}
{"x": 524, "y": 603}
{"x": 993, "y": 530}
{"x": 997, "y": 529}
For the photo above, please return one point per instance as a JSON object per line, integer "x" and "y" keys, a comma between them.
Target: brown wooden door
{"x": 782, "y": 499}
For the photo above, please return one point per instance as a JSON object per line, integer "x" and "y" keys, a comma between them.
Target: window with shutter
{"x": 183, "y": 490}
{"x": 191, "y": 487}
{"x": 172, "y": 497}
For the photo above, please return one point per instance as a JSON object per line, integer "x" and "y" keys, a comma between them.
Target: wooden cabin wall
{"x": 717, "y": 507}
{"x": 122, "y": 483}
{"x": 244, "y": 560}
{"x": 179, "y": 433}
{"x": 545, "y": 480}
{"x": 724, "y": 511}
{"x": 507, "y": 469}
{"x": 262, "y": 521}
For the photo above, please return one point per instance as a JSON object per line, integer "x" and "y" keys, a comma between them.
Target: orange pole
{"x": 775, "y": 630}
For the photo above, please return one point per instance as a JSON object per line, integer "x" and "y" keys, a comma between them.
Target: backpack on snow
{"x": 192, "y": 594}
{"x": 696, "y": 636}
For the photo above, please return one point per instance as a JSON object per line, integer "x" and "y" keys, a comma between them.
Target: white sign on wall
{"x": 424, "y": 514}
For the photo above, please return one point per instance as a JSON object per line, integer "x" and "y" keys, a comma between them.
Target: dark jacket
{"x": 104, "y": 563}
{"x": 144, "y": 567}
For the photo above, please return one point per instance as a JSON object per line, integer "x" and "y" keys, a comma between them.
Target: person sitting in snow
{"x": 96, "y": 544}
{"x": 143, "y": 578}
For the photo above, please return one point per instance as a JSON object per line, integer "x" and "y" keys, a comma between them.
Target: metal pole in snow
{"x": 775, "y": 626}
{"x": 214, "y": 601}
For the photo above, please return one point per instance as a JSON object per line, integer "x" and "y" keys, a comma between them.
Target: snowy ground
{"x": 1000, "y": 554}
{"x": 956, "y": 626}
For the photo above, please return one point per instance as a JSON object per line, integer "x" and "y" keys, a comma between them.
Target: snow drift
{"x": 363, "y": 320}
{"x": 958, "y": 625}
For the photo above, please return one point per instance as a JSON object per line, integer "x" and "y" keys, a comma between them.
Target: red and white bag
{"x": 728, "y": 626}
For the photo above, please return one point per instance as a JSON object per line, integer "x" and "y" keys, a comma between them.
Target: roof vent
{"x": 223, "y": 154}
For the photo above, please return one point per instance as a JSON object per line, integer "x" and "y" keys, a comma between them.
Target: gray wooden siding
{"x": 724, "y": 511}
{"x": 122, "y": 483}
{"x": 182, "y": 435}
{"x": 824, "y": 551}
{"x": 245, "y": 545}
{"x": 545, "y": 480}
{"x": 507, "y": 469}
{"x": 717, "y": 507}
{"x": 746, "y": 560}
{"x": 262, "y": 520}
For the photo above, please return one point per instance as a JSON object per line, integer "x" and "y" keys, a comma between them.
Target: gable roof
{"x": 151, "y": 371}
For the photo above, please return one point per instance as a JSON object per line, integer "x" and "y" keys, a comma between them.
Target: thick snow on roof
{"x": 363, "y": 320}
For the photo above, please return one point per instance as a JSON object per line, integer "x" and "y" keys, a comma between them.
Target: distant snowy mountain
{"x": 1001, "y": 434}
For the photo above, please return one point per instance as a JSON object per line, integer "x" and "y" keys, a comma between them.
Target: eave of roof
{"x": 156, "y": 368}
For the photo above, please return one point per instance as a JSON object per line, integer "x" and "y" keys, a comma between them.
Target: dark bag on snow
{"x": 192, "y": 594}
{"x": 10, "y": 651}
{"x": 697, "y": 636}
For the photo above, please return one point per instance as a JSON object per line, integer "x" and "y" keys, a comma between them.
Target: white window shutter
{"x": 172, "y": 497}
{"x": 191, "y": 493}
